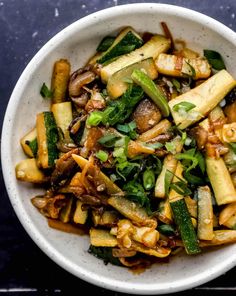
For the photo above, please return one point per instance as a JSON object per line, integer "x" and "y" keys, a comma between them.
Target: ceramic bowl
{"x": 78, "y": 42}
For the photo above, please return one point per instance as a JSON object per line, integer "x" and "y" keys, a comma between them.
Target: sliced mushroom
{"x": 78, "y": 80}
{"x": 146, "y": 115}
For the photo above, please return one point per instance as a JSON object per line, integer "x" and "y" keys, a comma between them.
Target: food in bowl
{"x": 135, "y": 149}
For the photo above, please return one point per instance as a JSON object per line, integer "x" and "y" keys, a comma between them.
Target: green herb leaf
{"x": 128, "y": 128}
{"x": 45, "y": 92}
{"x": 108, "y": 140}
{"x": 104, "y": 253}
{"x": 168, "y": 179}
{"x": 102, "y": 155}
{"x": 166, "y": 230}
{"x": 215, "y": 59}
{"x": 105, "y": 43}
{"x": 170, "y": 147}
{"x": 181, "y": 188}
{"x": 135, "y": 192}
{"x": 192, "y": 72}
{"x": 193, "y": 179}
{"x": 187, "y": 156}
{"x": 186, "y": 106}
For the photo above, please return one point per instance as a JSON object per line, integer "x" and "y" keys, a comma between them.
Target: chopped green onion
{"x": 153, "y": 145}
{"x": 45, "y": 92}
{"x": 148, "y": 179}
{"x": 186, "y": 106}
{"x": 95, "y": 118}
{"x": 102, "y": 155}
{"x": 215, "y": 59}
{"x": 186, "y": 156}
{"x": 176, "y": 84}
{"x": 170, "y": 147}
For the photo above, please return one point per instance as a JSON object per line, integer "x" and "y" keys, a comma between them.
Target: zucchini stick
{"x": 170, "y": 164}
{"x": 131, "y": 211}
{"x": 204, "y": 97}
{"x": 160, "y": 128}
{"x": 221, "y": 237}
{"x": 152, "y": 48}
{"x": 166, "y": 64}
{"x": 183, "y": 220}
{"x": 80, "y": 215}
{"x": 173, "y": 195}
{"x": 228, "y": 211}
{"x": 205, "y": 214}
{"x": 102, "y": 238}
{"x": 220, "y": 180}
{"x": 111, "y": 187}
{"x": 60, "y": 78}
{"x": 28, "y": 171}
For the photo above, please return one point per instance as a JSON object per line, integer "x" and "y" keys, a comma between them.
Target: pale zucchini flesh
{"x": 152, "y": 48}
{"x": 170, "y": 164}
{"x": 118, "y": 83}
{"x": 205, "y": 214}
{"x": 166, "y": 64}
{"x": 205, "y": 97}
{"x": 221, "y": 237}
{"x": 28, "y": 171}
{"x": 102, "y": 238}
{"x": 221, "y": 181}
{"x": 29, "y": 143}
{"x": 80, "y": 215}
{"x": 131, "y": 210}
{"x": 63, "y": 116}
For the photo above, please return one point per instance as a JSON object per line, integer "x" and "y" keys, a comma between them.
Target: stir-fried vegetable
{"x": 138, "y": 150}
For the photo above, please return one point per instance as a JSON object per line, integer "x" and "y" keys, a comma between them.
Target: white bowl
{"x": 77, "y": 43}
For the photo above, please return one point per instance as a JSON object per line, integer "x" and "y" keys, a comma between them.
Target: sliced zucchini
{"x": 167, "y": 64}
{"x": 192, "y": 206}
{"x": 107, "y": 218}
{"x": 183, "y": 220}
{"x": 80, "y": 215}
{"x": 231, "y": 222}
{"x": 29, "y": 143}
{"x": 136, "y": 148}
{"x": 63, "y": 116}
{"x": 204, "y": 98}
{"x": 102, "y": 238}
{"x": 125, "y": 42}
{"x": 152, "y": 90}
{"x": 65, "y": 213}
{"x": 170, "y": 164}
{"x": 205, "y": 214}
{"x": 152, "y": 48}
{"x": 131, "y": 210}
{"x": 111, "y": 187}
{"x": 228, "y": 211}
{"x": 221, "y": 181}
{"x": 118, "y": 83}
{"x": 28, "y": 171}
{"x": 60, "y": 78}
{"x": 164, "y": 212}
{"x": 174, "y": 195}
{"x": 160, "y": 128}
{"x": 47, "y": 137}
{"x": 221, "y": 237}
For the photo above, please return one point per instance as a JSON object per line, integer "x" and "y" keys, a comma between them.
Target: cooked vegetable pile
{"x": 138, "y": 149}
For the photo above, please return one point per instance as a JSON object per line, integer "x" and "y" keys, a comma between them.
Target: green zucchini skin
{"x": 129, "y": 43}
{"x": 52, "y": 137}
{"x": 183, "y": 220}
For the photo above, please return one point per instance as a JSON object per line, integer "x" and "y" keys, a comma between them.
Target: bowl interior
{"x": 77, "y": 43}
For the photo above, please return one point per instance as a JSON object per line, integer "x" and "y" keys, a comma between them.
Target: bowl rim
{"x": 17, "y": 205}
